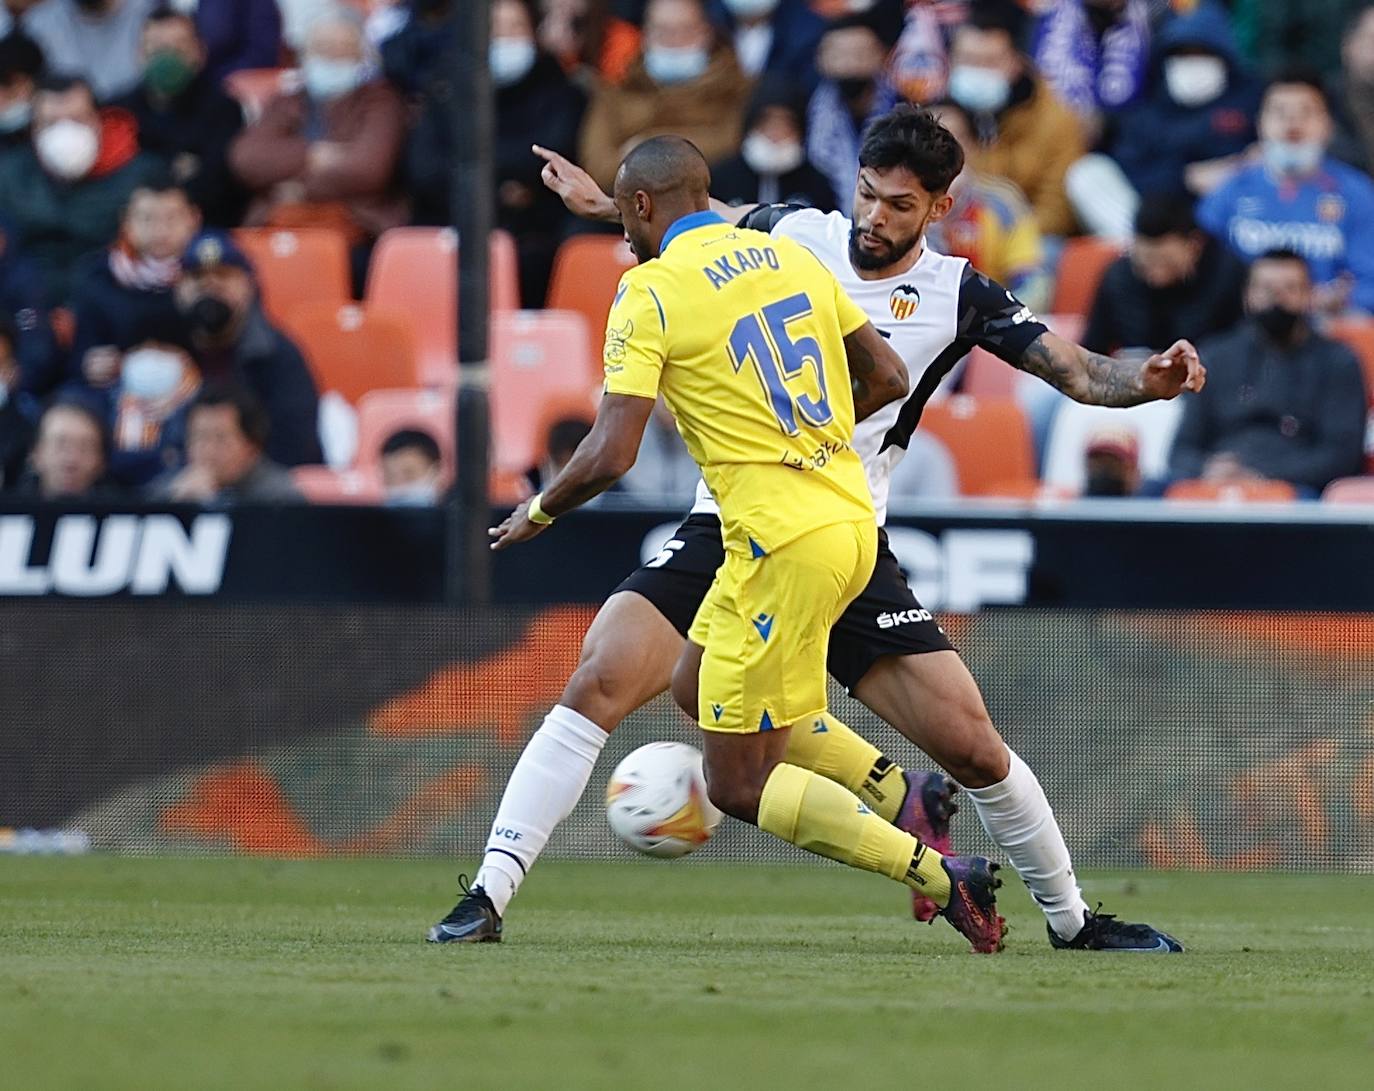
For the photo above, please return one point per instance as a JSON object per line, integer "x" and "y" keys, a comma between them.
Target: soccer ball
{"x": 656, "y": 801}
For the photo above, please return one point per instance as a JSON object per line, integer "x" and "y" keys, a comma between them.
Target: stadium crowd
{"x": 1138, "y": 171}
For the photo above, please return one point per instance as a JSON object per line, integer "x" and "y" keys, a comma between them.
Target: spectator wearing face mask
{"x": 18, "y": 410}
{"x": 233, "y": 342}
{"x": 1281, "y": 401}
{"x": 1197, "y": 115}
{"x": 236, "y": 34}
{"x": 1176, "y": 282}
{"x": 327, "y": 155}
{"x": 777, "y": 37}
{"x": 67, "y": 191}
{"x": 1094, "y": 54}
{"x": 95, "y": 41}
{"x": 853, "y": 90}
{"x": 184, "y": 117}
{"x": 21, "y": 66}
{"x": 147, "y": 411}
{"x": 1299, "y": 198}
{"x": 412, "y": 469}
{"x": 122, "y": 296}
{"x": 772, "y": 167}
{"x": 991, "y": 223}
{"x": 1111, "y": 464}
{"x": 69, "y": 456}
{"x": 227, "y": 433}
{"x": 1025, "y": 134}
{"x": 685, "y": 82}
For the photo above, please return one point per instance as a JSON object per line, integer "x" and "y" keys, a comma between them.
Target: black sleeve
{"x": 994, "y": 319}
{"x": 766, "y": 217}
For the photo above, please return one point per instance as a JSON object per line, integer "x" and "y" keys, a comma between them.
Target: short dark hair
{"x": 883, "y": 20}
{"x": 1300, "y": 76}
{"x": 75, "y": 403}
{"x": 412, "y": 439}
{"x": 1163, "y": 214}
{"x": 20, "y": 55}
{"x": 1000, "y": 15}
{"x": 1283, "y": 254}
{"x": 252, "y": 416}
{"x": 912, "y": 137}
{"x": 566, "y": 433}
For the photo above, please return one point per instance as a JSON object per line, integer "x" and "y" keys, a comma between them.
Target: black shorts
{"x": 884, "y": 620}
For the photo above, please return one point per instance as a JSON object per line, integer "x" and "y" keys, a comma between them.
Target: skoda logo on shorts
{"x": 903, "y": 301}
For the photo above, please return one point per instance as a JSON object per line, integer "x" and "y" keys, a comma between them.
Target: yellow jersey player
{"x": 765, "y": 363}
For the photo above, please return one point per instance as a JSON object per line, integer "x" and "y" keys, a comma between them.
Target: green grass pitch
{"x": 238, "y": 973}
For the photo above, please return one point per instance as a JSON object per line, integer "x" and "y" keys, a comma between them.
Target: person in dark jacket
{"x": 232, "y": 341}
{"x": 1199, "y": 111}
{"x": 22, "y": 302}
{"x": 238, "y": 34}
{"x": 772, "y": 37}
{"x": 771, "y": 167}
{"x": 21, "y": 66}
{"x": 1281, "y": 401}
{"x": 18, "y": 411}
{"x": 414, "y": 55}
{"x": 184, "y": 117}
{"x": 1176, "y": 282}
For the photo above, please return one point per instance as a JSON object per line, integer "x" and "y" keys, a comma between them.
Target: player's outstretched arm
{"x": 878, "y": 374}
{"x": 1094, "y": 379}
{"x": 600, "y": 460}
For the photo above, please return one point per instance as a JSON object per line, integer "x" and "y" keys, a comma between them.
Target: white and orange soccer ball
{"x": 656, "y": 801}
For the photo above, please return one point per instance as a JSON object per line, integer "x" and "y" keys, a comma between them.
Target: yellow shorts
{"x": 765, "y": 627}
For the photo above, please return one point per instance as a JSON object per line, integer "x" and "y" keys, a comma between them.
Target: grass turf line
{"x": 242, "y": 973}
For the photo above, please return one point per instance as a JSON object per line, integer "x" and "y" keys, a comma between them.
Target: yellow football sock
{"x": 806, "y": 810}
{"x": 835, "y": 751}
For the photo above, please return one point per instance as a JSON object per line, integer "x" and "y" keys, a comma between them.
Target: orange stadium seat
{"x": 252, "y": 88}
{"x": 414, "y": 271}
{"x": 1081, "y": 266}
{"x": 538, "y": 360}
{"x": 1240, "y": 492}
{"x": 352, "y": 350}
{"x": 987, "y": 376}
{"x": 586, "y": 271}
{"x": 1350, "y": 490}
{"x": 1358, "y": 335}
{"x": 383, "y": 412}
{"x": 321, "y": 485}
{"x": 989, "y": 440}
{"x": 305, "y": 265}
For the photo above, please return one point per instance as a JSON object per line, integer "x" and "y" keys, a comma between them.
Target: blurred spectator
{"x": 1298, "y": 198}
{"x": 148, "y": 411}
{"x": 70, "y": 455}
{"x": 236, "y": 34}
{"x": 91, "y": 40}
{"x": 18, "y": 410}
{"x": 413, "y": 57}
{"x": 1175, "y": 282}
{"x": 1025, "y": 133}
{"x": 67, "y": 190}
{"x": 685, "y": 82}
{"x": 12, "y": 12}
{"x": 563, "y": 438}
{"x": 772, "y": 167}
{"x": 853, "y": 90}
{"x": 1351, "y": 92}
{"x": 1111, "y": 463}
{"x": 298, "y": 18}
{"x": 1198, "y": 113}
{"x": 925, "y": 472}
{"x": 1094, "y": 54}
{"x": 1281, "y": 400}
{"x": 22, "y": 303}
{"x": 772, "y": 36}
{"x": 227, "y": 432}
{"x": 326, "y": 156}
{"x": 233, "y": 341}
{"x": 663, "y": 473}
{"x": 919, "y": 65}
{"x": 21, "y": 65}
{"x": 122, "y": 296}
{"x": 184, "y": 117}
{"x": 1282, "y": 33}
{"x": 588, "y": 40}
{"x": 991, "y": 223}
{"x": 412, "y": 469}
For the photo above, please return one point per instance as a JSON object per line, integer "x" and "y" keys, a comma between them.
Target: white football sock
{"x": 1018, "y": 818}
{"x": 543, "y": 788}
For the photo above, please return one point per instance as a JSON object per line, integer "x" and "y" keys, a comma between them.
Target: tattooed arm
{"x": 1094, "y": 379}
{"x": 878, "y": 374}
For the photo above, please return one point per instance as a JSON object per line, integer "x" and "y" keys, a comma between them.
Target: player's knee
{"x": 735, "y": 795}
{"x": 979, "y": 759}
{"x": 601, "y": 690}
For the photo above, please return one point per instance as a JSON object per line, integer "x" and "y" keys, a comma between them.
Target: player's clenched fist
{"x": 1169, "y": 373}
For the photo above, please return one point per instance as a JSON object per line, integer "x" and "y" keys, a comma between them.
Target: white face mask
{"x": 1194, "y": 81}
{"x": 184, "y": 7}
{"x": 151, "y": 374}
{"x": 418, "y": 494}
{"x": 510, "y": 59}
{"x": 327, "y": 79}
{"x": 16, "y": 116}
{"x": 766, "y": 156}
{"x": 982, "y": 90}
{"x": 1292, "y": 157}
{"x": 675, "y": 65}
{"x": 748, "y": 9}
{"x": 67, "y": 149}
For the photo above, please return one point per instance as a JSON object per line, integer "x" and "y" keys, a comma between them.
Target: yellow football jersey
{"x": 743, "y": 333}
